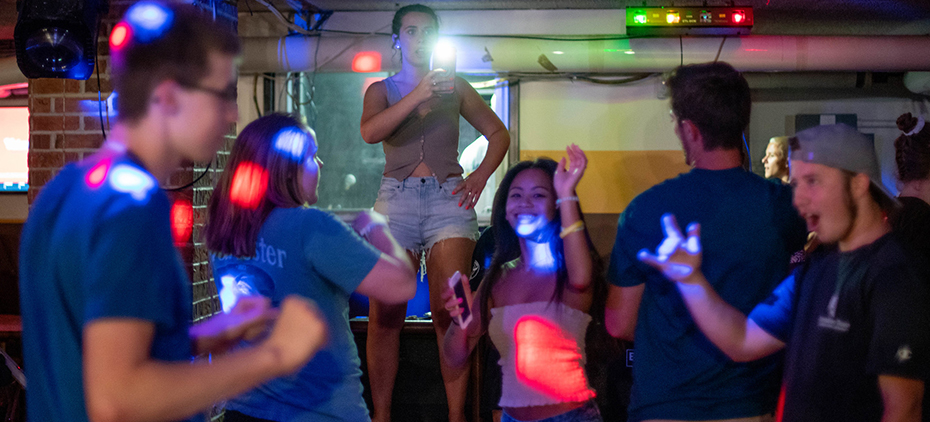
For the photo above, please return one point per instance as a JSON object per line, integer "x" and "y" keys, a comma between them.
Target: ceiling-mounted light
{"x": 366, "y": 62}
{"x": 57, "y": 38}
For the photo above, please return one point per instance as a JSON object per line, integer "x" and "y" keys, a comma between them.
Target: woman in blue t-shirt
{"x": 265, "y": 240}
{"x": 414, "y": 114}
{"x": 536, "y": 295}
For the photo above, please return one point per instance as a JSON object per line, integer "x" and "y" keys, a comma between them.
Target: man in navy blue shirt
{"x": 106, "y": 303}
{"x": 853, "y": 318}
{"x": 677, "y": 374}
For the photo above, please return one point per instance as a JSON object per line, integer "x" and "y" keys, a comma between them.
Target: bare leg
{"x": 382, "y": 351}
{"x": 445, "y": 258}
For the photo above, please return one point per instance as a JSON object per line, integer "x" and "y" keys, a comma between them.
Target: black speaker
{"x": 57, "y": 38}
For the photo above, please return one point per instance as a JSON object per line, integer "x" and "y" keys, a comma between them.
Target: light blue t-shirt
{"x": 749, "y": 229}
{"x": 308, "y": 252}
{"x": 97, "y": 244}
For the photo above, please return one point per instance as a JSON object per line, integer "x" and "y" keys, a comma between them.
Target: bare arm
{"x": 679, "y": 259}
{"x": 458, "y": 342}
{"x": 902, "y": 398}
{"x": 622, "y": 310}
{"x": 124, "y": 384}
{"x": 733, "y": 333}
{"x": 393, "y": 278}
{"x": 479, "y": 115}
{"x": 577, "y": 252}
{"x": 380, "y": 120}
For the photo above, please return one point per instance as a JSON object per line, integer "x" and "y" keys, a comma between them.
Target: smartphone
{"x": 443, "y": 57}
{"x": 458, "y": 288}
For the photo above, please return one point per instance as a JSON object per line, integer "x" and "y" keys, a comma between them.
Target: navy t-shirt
{"x": 308, "y": 252}
{"x": 749, "y": 230}
{"x": 97, "y": 244}
{"x": 848, "y": 317}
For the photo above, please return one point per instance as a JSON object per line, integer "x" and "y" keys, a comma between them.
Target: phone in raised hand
{"x": 458, "y": 289}
{"x": 443, "y": 57}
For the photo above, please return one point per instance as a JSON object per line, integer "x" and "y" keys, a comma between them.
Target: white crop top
{"x": 542, "y": 353}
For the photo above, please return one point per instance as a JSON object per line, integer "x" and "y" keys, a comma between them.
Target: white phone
{"x": 458, "y": 289}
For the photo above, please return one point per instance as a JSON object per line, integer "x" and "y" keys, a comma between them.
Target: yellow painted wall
{"x": 624, "y": 129}
{"x": 630, "y": 117}
{"x": 614, "y": 178}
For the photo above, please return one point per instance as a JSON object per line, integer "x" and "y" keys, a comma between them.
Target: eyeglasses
{"x": 229, "y": 94}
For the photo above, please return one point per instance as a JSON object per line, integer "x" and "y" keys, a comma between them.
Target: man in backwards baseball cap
{"x": 853, "y": 317}
{"x": 842, "y": 147}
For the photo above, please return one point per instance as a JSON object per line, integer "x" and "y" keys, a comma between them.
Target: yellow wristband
{"x": 575, "y": 227}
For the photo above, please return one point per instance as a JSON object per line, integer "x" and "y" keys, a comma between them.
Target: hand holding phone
{"x": 457, "y": 284}
{"x": 443, "y": 58}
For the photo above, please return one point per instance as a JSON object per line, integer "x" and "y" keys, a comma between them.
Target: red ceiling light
{"x": 366, "y": 62}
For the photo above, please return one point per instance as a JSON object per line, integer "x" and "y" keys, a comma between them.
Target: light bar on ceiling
{"x": 688, "y": 20}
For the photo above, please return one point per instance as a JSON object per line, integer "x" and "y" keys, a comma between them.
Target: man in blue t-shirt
{"x": 106, "y": 303}
{"x": 677, "y": 373}
{"x": 853, "y": 317}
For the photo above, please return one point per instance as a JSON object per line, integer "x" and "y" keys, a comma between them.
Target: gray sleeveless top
{"x": 432, "y": 138}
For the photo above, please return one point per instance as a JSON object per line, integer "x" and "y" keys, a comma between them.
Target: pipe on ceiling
{"x": 746, "y": 53}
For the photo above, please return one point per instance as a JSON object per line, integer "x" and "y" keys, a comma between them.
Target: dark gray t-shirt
{"x": 848, "y": 317}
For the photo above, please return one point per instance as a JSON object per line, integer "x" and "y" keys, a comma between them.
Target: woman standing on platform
{"x": 430, "y": 207}
{"x": 537, "y": 295}
{"x": 264, "y": 240}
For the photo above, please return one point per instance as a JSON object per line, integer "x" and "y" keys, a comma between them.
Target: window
{"x": 352, "y": 169}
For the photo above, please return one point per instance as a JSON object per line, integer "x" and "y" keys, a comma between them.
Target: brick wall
{"x": 65, "y": 126}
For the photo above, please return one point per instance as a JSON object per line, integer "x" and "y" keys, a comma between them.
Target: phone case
{"x": 458, "y": 288}
{"x": 444, "y": 60}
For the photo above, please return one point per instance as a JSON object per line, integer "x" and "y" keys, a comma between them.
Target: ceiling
{"x": 773, "y": 17}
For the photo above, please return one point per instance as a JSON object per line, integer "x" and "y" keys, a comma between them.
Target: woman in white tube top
{"x": 535, "y": 297}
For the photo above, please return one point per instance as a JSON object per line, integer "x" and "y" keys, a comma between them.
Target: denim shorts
{"x": 586, "y": 413}
{"x": 421, "y": 211}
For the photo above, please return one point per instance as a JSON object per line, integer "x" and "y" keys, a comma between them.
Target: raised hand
{"x": 677, "y": 257}
{"x": 299, "y": 332}
{"x": 427, "y": 88}
{"x": 567, "y": 176}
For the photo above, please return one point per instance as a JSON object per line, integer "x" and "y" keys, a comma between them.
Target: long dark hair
{"x": 507, "y": 246}
{"x": 232, "y": 229}
{"x": 912, "y": 152}
{"x": 400, "y": 13}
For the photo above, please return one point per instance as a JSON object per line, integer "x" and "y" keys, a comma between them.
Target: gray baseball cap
{"x": 841, "y": 147}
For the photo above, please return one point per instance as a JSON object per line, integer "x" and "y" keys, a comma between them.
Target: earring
{"x": 396, "y": 46}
